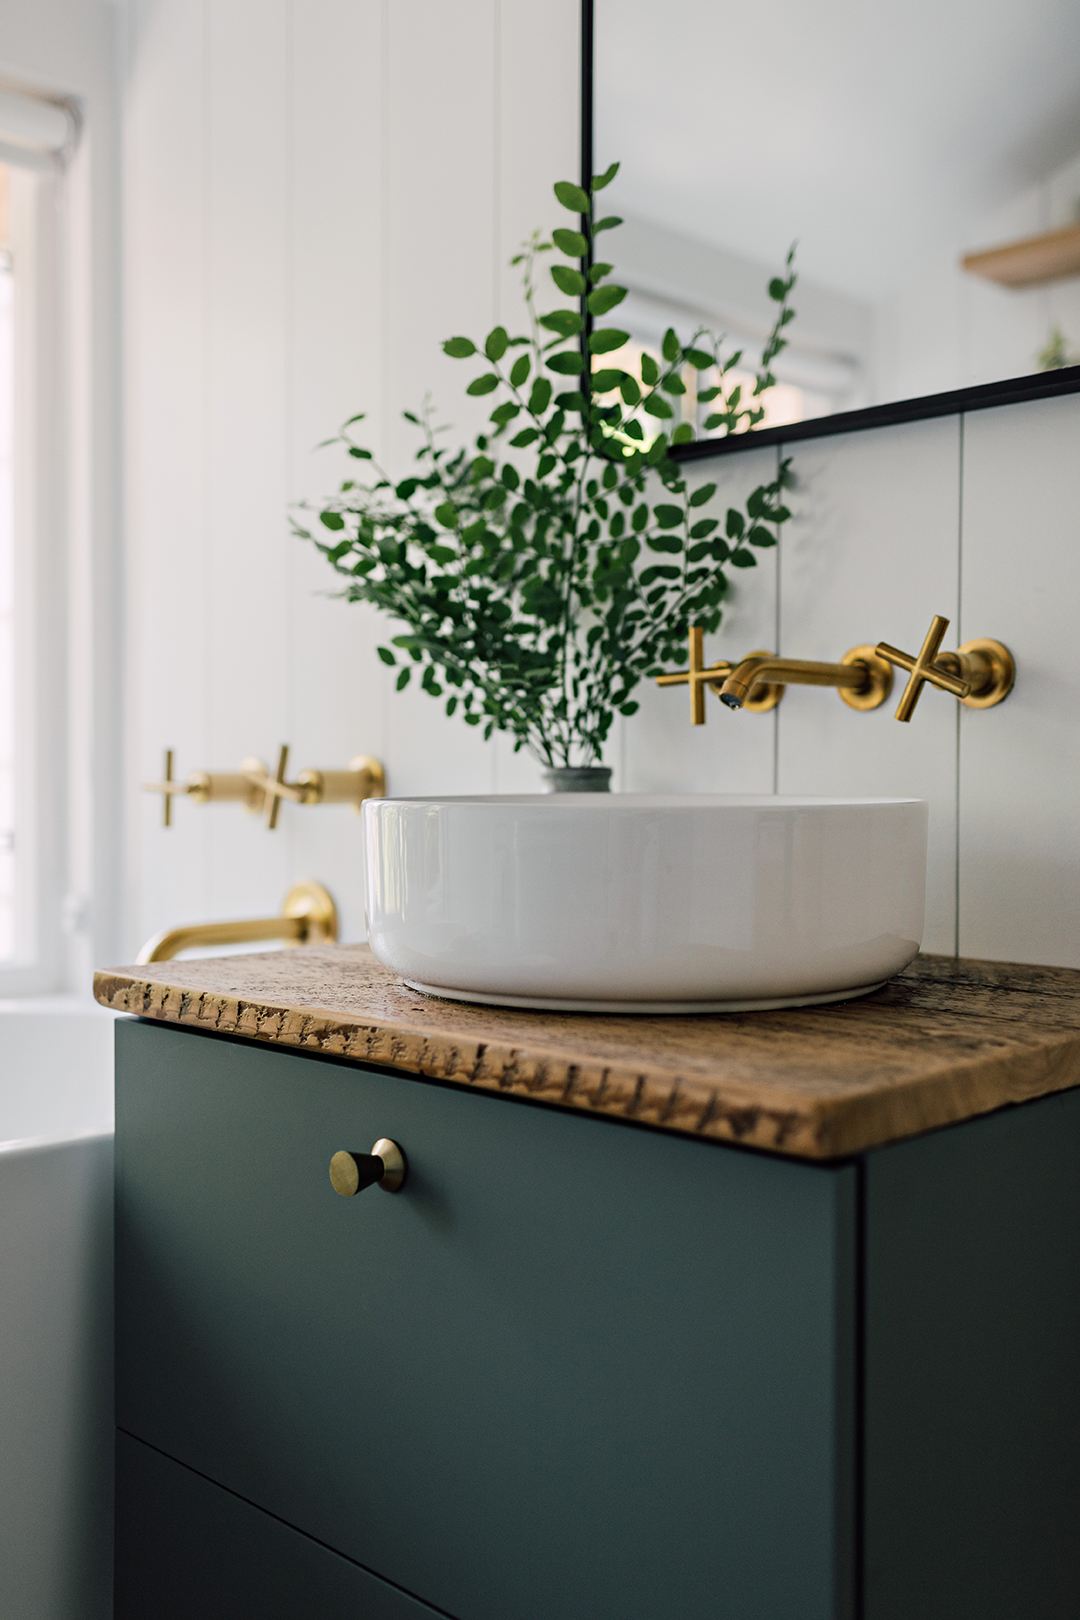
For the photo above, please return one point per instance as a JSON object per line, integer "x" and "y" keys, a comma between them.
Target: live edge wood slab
{"x": 944, "y": 1041}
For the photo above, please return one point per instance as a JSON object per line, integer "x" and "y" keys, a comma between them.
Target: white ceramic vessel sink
{"x": 637, "y": 903}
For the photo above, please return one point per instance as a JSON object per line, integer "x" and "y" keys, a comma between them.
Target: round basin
{"x": 595, "y": 902}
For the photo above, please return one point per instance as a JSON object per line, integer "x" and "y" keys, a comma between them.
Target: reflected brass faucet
{"x": 980, "y": 674}
{"x": 262, "y": 792}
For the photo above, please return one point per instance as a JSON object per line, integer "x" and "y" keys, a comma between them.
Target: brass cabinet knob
{"x": 384, "y": 1167}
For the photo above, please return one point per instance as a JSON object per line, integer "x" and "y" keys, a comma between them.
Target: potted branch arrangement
{"x": 541, "y": 575}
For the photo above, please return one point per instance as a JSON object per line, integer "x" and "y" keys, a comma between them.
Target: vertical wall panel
{"x": 1020, "y": 762}
{"x": 168, "y": 636}
{"x": 332, "y": 194}
{"x": 246, "y": 599}
{"x": 871, "y": 555}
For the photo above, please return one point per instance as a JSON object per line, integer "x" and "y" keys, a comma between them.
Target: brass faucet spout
{"x": 752, "y": 672}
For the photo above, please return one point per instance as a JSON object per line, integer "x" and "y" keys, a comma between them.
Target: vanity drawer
{"x": 193, "y": 1551}
{"x": 574, "y": 1368}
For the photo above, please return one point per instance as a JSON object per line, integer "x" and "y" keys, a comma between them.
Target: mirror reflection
{"x": 925, "y": 157}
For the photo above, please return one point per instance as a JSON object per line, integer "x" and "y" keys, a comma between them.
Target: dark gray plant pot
{"x": 577, "y": 779}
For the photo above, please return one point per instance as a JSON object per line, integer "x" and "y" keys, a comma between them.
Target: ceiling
{"x": 876, "y": 132}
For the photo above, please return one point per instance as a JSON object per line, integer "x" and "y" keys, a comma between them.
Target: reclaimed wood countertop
{"x": 944, "y": 1041}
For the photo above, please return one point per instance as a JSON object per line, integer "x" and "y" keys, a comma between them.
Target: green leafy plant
{"x": 541, "y": 576}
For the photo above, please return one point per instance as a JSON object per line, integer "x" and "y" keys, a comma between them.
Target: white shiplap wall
{"x": 318, "y": 193}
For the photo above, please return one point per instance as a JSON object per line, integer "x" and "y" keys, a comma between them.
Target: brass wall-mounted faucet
{"x": 980, "y": 674}
{"x": 262, "y": 793}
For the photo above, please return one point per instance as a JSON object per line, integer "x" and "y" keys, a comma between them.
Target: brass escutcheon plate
{"x": 1002, "y": 669}
{"x": 880, "y": 682}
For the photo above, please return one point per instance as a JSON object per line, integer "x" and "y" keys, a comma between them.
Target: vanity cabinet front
{"x": 582, "y": 1369}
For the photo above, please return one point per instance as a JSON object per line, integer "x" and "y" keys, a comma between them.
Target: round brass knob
{"x": 383, "y": 1167}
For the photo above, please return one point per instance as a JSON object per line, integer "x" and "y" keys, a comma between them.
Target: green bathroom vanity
{"x": 771, "y": 1316}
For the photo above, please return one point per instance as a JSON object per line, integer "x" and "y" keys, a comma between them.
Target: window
{"x": 7, "y": 584}
{"x": 37, "y": 135}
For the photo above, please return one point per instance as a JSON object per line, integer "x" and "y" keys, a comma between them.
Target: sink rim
{"x": 648, "y": 801}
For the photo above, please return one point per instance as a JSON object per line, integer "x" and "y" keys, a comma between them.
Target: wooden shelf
{"x": 1030, "y": 263}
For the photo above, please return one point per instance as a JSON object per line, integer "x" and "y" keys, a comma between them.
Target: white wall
{"x": 316, "y": 195}
{"x": 975, "y": 518}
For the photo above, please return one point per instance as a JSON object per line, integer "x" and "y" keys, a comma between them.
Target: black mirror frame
{"x": 984, "y": 396}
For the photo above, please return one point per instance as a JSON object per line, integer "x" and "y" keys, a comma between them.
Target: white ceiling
{"x": 876, "y": 131}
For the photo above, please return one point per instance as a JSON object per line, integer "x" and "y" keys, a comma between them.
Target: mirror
{"x": 925, "y": 156}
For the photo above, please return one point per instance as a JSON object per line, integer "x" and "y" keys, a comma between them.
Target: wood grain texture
{"x": 943, "y": 1042}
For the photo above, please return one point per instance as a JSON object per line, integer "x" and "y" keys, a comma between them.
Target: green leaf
{"x": 332, "y": 520}
{"x": 629, "y": 708}
{"x": 540, "y": 398}
{"x": 442, "y": 555}
{"x": 670, "y": 347}
{"x": 546, "y": 464}
{"x": 607, "y": 224}
{"x": 673, "y": 384}
{"x": 386, "y": 655}
{"x": 599, "y": 181}
{"x": 446, "y": 514}
{"x": 761, "y": 537}
{"x": 706, "y": 526}
{"x": 567, "y": 322}
{"x": 360, "y": 455}
{"x": 604, "y": 381}
{"x": 659, "y": 571}
{"x": 650, "y": 371}
{"x": 571, "y": 197}
{"x": 483, "y": 385}
{"x": 778, "y": 290}
{"x": 683, "y": 434}
{"x": 701, "y": 496}
{"x": 717, "y": 419}
{"x": 633, "y": 429}
{"x": 496, "y": 343}
{"x": 630, "y": 391}
{"x": 664, "y": 542}
{"x": 657, "y": 450}
{"x": 505, "y": 413}
{"x": 572, "y": 243}
{"x": 526, "y": 437}
{"x": 403, "y": 678}
{"x": 597, "y": 272}
{"x": 571, "y": 401}
{"x": 705, "y": 395}
{"x": 668, "y": 517}
{"x": 568, "y": 281}
{"x": 657, "y": 406}
{"x": 568, "y": 362}
{"x": 640, "y": 519}
{"x": 605, "y": 298}
{"x": 519, "y": 371}
{"x": 699, "y": 359}
{"x": 743, "y": 559}
{"x": 609, "y": 338}
{"x": 458, "y": 348}
{"x": 735, "y": 524}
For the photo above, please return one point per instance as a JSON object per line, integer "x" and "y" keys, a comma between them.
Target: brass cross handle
{"x": 202, "y": 786}
{"x": 980, "y": 673}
